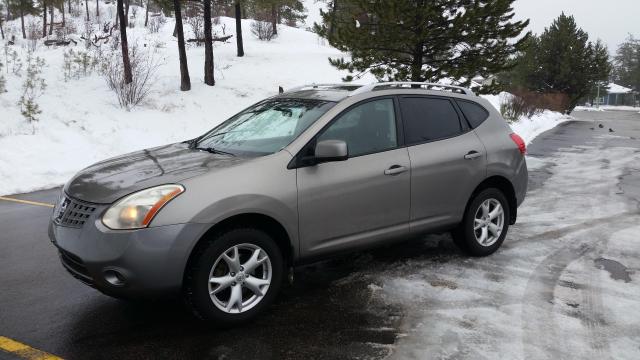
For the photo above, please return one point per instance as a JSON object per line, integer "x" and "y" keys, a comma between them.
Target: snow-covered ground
{"x": 81, "y": 122}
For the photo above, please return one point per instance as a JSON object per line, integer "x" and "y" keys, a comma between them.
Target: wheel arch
{"x": 506, "y": 187}
{"x": 253, "y": 220}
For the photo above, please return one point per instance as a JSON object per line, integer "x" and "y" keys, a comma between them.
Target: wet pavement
{"x": 565, "y": 284}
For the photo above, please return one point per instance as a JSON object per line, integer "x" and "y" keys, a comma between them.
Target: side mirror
{"x": 331, "y": 150}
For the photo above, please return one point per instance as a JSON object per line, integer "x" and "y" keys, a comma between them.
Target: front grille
{"x": 72, "y": 212}
{"x": 75, "y": 266}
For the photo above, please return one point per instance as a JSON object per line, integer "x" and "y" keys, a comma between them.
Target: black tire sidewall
{"x": 468, "y": 239}
{"x": 198, "y": 291}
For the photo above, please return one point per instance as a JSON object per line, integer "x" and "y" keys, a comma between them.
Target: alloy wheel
{"x": 488, "y": 222}
{"x": 240, "y": 278}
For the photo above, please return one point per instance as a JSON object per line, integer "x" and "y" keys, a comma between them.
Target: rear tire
{"x": 484, "y": 225}
{"x": 234, "y": 277}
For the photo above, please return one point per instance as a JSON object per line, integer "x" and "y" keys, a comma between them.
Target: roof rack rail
{"x": 324, "y": 87}
{"x": 411, "y": 84}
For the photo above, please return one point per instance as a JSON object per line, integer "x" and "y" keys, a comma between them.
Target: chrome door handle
{"x": 472, "y": 155}
{"x": 395, "y": 170}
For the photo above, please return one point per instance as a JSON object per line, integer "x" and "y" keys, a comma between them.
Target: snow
{"x": 617, "y": 89}
{"x": 81, "y": 122}
{"x": 607, "y": 108}
{"x": 529, "y": 128}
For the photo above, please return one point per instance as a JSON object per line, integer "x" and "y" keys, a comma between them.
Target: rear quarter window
{"x": 475, "y": 113}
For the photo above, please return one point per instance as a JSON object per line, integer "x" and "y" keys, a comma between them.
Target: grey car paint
{"x": 435, "y": 167}
{"x": 323, "y": 208}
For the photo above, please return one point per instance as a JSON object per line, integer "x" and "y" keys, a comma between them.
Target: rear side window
{"x": 474, "y": 113}
{"x": 428, "y": 119}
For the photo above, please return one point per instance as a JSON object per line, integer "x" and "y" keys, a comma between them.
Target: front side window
{"x": 264, "y": 128}
{"x": 428, "y": 119}
{"x": 366, "y": 128}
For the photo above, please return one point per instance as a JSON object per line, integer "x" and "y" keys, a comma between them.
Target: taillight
{"x": 519, "y": 142}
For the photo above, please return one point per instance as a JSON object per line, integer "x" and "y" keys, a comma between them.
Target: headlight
{"x": 138, "y": 209}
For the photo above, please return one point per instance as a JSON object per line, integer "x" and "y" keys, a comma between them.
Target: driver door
{"x": 365, "y": 199}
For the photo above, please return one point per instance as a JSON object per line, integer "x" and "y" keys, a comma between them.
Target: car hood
{"x": 109, "y": 180}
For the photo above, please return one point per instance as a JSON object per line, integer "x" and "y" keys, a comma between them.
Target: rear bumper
{"x": 521, "y": 182}
{"x": 149, "y": 262}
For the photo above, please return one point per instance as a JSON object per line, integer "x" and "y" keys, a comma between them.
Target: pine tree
{"x": 627, "y": 63}
{"x": 562, "y": 60}
{"x": 22, "y": 8}
{"x": 185, "y": 81}
{"x": 423, "y": 40}
{"x": 208, "y": 45}
{"x": 238, "y": 14}
{"x": 275, "y": 11}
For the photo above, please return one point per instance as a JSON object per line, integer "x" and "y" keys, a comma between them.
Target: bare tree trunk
{"x": 146, "y": 15}
{"x": 208, "y": 45}
{"x": 239, "y": 29}
{"x": 52, "y": 8}
{"x": 127, "y": 13}
{"x": 185, "y": 81}
{"x": 274, "y": 19}
{"x": 69, "y": 6}
{"x": 64, "y": 19}
{"x": 86, "y": 8}
{"x": 1, "y": 29}
{"x": 97, "y": 9}
{"x": 44, "y": 18}
{"x": 24, "y": 33}
{"x": 128, "y": 78}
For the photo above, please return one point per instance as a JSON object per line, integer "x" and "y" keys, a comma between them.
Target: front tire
{"x": 485, "y": 223}
{"x": 234, "y": 277}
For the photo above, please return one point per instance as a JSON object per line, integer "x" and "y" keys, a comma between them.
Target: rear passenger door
{"x": 447, "y": 160}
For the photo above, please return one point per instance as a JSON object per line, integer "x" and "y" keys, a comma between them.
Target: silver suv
{"x": 298, "y": 177}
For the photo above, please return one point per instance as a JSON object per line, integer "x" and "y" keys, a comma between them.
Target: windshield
{"x": 265, "y": 127}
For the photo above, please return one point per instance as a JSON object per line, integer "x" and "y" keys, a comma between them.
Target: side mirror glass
{"x": 331, "y": 150}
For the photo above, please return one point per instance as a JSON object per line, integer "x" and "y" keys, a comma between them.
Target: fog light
{"x": 114, "y": 278}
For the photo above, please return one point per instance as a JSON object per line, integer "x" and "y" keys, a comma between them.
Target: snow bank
{"x": 529, "y": 128}
{"x": 607, "y": 108}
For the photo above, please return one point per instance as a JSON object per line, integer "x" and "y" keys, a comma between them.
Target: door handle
{"x": 395, "y": 170}
{"x": 472, "y": 155}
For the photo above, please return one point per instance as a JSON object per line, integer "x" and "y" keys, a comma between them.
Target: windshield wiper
{"x": 215, "y": 151}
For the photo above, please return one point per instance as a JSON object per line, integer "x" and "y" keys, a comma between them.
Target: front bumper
{"x": 150, "y": 262}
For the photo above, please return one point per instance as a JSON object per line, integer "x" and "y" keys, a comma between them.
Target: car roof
{"x": 339, "y": 92}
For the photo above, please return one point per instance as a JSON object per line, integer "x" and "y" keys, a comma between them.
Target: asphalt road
{"x": 563, "y": 273}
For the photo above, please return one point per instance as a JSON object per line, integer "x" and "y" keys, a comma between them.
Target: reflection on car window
{"x": 475, "y": 113}
{"x": 428, "y": 119}
{"x": 367, "y": 128}
{"x": 265, "y": 127}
